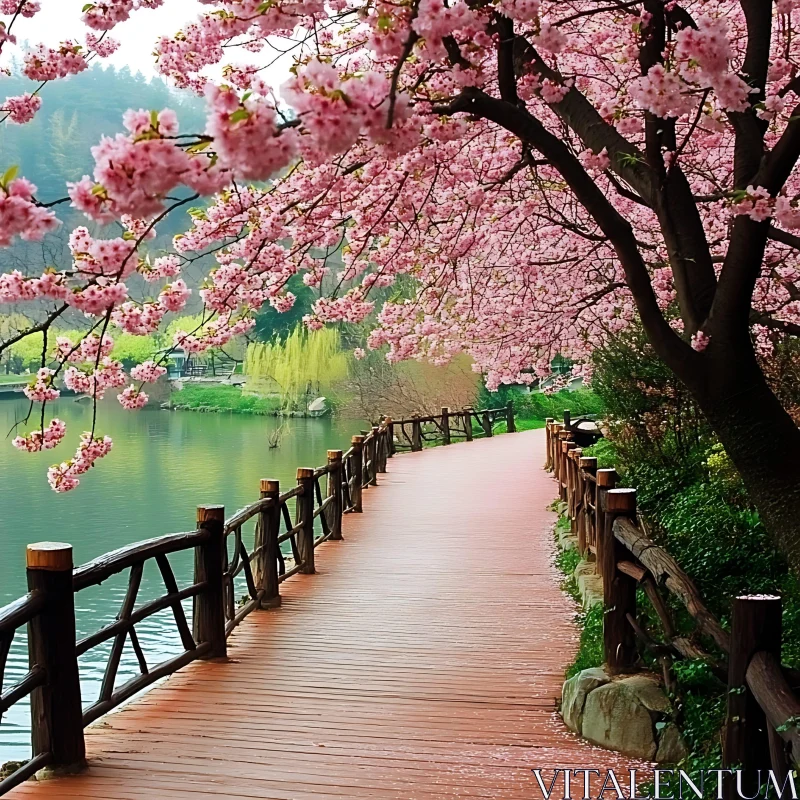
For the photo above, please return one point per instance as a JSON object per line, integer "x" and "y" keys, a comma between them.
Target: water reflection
{"x": 163, "y": 465}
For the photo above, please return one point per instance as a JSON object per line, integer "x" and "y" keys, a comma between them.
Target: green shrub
{"x": 695, "y": 505}
{"x": 224, "y": 398}
{"x": 590, "y": 650}
{"x": 538, "y": 405}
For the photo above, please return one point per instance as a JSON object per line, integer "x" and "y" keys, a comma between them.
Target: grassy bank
{"x": 197, "y": 397}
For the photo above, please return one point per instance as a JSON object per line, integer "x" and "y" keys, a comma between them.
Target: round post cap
{"x": 210, "y": 514}
{"x": 55, "y": 556}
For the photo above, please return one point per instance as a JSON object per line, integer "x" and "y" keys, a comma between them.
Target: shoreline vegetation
{"x": 531, "y": 409}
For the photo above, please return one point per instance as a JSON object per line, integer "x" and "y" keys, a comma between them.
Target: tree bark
{"x": 759, "y": 436}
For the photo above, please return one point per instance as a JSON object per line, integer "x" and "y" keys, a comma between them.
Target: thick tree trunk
{"x": 760, "y": 438}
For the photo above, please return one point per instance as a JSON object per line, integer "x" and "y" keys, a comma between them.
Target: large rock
{"x": 649, "y": 692}
{"x": 617, "y": 717}
{"x": 671, "y": 747}
{"x": 574, "y": 693}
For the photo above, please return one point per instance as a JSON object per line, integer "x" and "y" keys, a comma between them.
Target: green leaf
{"x": 239, "y": 115}
{"x": 87, "y": 7}
{"x": 9, "y": 175}
{"x": 198, "y": 147}
{"x": 154, "y": 119}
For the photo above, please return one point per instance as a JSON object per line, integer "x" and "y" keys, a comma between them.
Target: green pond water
{"x": 162, "y": 466}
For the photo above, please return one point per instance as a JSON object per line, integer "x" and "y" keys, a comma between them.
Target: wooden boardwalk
{"x": 424, "y": 660}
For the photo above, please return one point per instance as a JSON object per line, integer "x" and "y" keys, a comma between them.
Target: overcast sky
{"x": 61, "y": 19}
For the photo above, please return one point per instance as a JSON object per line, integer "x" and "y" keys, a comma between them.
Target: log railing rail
{"x": 762, "y": 729}
{"x": 235, "y": 573}
{"x": 413, "y": 433}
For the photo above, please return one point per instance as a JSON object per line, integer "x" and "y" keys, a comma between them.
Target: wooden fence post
{"x": 555, "y": 429}
{"x": 304, "y": 512}
{"x": 56, "y": 713}
{"x": 266, "y": 537}
{"x": 209, "y": 565}
{"x": 511, "y": 425}
{"x": 357, "y": 462}
{"x": 548, "y": 443}
{"x": 619, "y": 589}
{"x": 486, "y": 421}
{"x": 467, "y": 413}
{"x": 755, "y": 626}
{"x": 375, "y": 455}
{"x": 606, "y": 479}
{"x": 574, "y": 487}
{"x": 382, "y": 448}
{"x": 566, "y": 446}
{"x": 390, "y": 437}
{"x": 335, "y": 491}
{"x": 586, "y": 540}
{"x": 446, "y": 424}
{"x": 416, "y": 433}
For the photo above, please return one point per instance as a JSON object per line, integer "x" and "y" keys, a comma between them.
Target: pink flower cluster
{"x": 756, "y": 204}
{"x": 700, "y": 341}
{"x": 47, "y": 439}
{"x": 46, "y": 64}
{"x": 41, "y": 389}
{"x": 661, "y": 92}
{"x": 23, "y": 108}
{"x": 134, "y": 173}
{"x": 63, "y": 477}
{"x": 246, "y": 136}
{"x": 103, "y": 46}
{"x": 94, "y": 382}
{"x": 215, "y": 334}
{"x": 26, "y": 8}
{"x": 595, "y": 162}
{"x": 162, "y": 267}
{"x": 103, "y": 16}
{"x": 132, "y": 398}
{"x": 19, "y": 214}
{"x": 148, "y": 372}
{"x": 112, "y": 258}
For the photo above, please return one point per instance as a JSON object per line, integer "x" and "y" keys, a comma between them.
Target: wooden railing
{"x": 762, "y": 729}
{"x": 223, "y": 561}
{"x": 415, "y": 432}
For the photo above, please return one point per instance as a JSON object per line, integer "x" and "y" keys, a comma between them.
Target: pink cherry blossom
{"x": 131, "y": 398}
{"x": 41, "y": 389}
{"x": 23, "y": 108}
{"x": 148, "y": 372}
{"x": 47, "y": 439}
{"x": 700, "y": 341}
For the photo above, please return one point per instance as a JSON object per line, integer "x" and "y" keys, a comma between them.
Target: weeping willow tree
{"x": 299, "y": 368}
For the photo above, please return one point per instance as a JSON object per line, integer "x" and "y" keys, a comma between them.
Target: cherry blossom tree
{"x": 545, "y": 173}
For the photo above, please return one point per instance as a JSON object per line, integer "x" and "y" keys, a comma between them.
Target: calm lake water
{"x": 162, "y": 466}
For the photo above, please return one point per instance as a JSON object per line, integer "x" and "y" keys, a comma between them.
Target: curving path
{"x": 423, "y": 661}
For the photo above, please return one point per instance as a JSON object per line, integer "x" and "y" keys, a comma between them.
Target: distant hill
{"x": 55, "y": 147}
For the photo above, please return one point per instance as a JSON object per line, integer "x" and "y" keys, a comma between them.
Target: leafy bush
{"x": 695, "y": 505}
{"x": 538, "y": 405}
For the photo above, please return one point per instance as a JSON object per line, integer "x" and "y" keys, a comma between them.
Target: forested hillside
{"x": 55, "y": 147}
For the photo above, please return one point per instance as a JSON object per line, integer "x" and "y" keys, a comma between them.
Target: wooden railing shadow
{"x": 762, "y": 727}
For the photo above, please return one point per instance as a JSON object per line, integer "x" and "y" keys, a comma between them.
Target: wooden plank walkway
{"x": 423, "y": 661}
